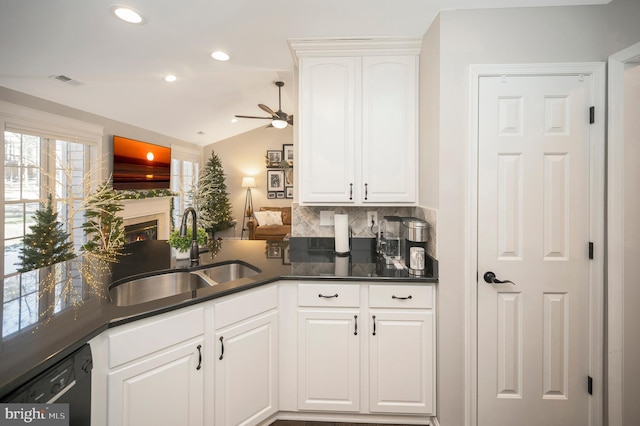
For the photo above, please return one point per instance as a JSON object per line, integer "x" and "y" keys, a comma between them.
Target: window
{"x": 185, "y": 170}
{"x": 43, "y": 155}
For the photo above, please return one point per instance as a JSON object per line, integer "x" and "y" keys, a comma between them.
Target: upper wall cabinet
{"x": 358, "y": 121}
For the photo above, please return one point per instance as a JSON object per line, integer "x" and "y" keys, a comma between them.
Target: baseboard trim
{"x": 351, "y": 418}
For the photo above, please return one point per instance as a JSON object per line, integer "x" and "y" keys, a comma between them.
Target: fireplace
{"x": 141, "y": 231}
{"x": 152, "y": 213}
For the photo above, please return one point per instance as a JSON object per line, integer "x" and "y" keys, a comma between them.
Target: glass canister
{"x": 392, "y": 237}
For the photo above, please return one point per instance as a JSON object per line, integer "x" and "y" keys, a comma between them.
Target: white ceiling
{"x": 121, "y": 66}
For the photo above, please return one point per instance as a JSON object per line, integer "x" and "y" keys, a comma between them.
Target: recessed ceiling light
{"x": 127, "y": 14}
{"x": 170, "y": 78}
{"x": 219, "y": 55}
{"x": 234, "y": 120}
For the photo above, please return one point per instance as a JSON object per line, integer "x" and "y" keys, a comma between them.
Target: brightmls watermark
{"x": 34, "y": 414}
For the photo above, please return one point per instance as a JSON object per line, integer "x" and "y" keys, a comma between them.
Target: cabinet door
{"x": 328, "y": 129}
{"x": 401, "y": 346}
{"x": 162, "y": 389}
{"x": 246, "y": 371}
{"x": 389, "y": 129}
{"x": 328, "y": 360}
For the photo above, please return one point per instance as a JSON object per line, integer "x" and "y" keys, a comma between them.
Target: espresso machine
{"x": 414, "y": 235}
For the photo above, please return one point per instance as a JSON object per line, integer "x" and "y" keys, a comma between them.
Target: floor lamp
{"x": 247, "y": 182}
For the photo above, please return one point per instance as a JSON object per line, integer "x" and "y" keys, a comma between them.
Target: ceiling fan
{"x": 279, "y": 119}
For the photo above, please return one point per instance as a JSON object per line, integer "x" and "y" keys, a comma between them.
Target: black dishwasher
{"x": 68, "y": 382}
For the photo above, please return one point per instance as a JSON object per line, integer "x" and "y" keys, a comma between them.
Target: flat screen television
{"x": 140, "y": 165}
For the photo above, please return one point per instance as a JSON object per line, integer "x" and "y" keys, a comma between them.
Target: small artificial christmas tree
{"x": 212, "y": 198}
{"x": 104, "y": 228}
{"x": 47, "y": 243}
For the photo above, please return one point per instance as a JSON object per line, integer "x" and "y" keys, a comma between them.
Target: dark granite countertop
{"x": 67, "y": 320}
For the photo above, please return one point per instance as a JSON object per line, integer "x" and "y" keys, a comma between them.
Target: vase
{"x": 182, "y": 254}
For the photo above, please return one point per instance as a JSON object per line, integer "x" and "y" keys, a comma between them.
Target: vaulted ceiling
{"x": 117, "y": 68}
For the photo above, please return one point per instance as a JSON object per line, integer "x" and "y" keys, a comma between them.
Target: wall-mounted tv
{"x": 140, "y": 165}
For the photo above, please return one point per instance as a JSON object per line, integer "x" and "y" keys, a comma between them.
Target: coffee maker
{"x": 413, "y": 244}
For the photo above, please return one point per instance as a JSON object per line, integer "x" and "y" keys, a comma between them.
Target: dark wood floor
{"x": 297, "y": 423}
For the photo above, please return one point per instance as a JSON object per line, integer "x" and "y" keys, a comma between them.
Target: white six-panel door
{"x": 533, "y": 229}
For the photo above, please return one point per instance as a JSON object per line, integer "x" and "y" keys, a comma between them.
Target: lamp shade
{"x": 248, "y": 182}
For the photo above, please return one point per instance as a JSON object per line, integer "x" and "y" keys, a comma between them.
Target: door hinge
{"x": 590, "y": 385}
{"x": 592, "y": 115}
{"x": 590, "y": 250}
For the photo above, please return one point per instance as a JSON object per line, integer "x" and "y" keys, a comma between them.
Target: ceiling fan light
{"x": 279, "y": 124}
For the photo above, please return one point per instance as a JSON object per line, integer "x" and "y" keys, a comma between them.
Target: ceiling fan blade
{"x": 251, "y": 116}
{"x": 267, "y": 109}
{"x": 290, "y": 120}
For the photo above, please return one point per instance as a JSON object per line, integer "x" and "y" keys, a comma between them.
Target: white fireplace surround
{"x": 147, "y": 209}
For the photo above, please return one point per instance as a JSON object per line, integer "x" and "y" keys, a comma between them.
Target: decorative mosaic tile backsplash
{"x": 305, "y": 221}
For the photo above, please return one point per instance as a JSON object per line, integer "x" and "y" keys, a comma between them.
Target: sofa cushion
{"x": 261, "y": 217}
{"x": 286, "y": 213}
{"x": 264, "y": 232}
{"x": 274, "y": 218}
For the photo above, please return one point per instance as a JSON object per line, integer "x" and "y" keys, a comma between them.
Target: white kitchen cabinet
{"x": 358, "y": 125}
{"x": 328, "y": 347}
{"x": 164, "y": 389}
{"x": 389, "y": 130}
{"x": 401, "y": 349}
{"x": 246, "y": 357}
{"x": 395, "y": 327}
{"x": 328, "y": 129}
{"x": 328, "y": 360}
{"x": 153, "y": 371}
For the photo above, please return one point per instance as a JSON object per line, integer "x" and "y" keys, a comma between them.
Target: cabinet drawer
{"x": 244, "y": 306}
{"x": 335, "y": 295}
{"x": 153, "y": 334}
{"x": 401, "y": 296}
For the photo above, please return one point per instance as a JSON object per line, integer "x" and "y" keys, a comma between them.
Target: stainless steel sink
{"x": 229, "y": 272}
{"x": 156, "y": 287}
{"x": 170, "y": 283}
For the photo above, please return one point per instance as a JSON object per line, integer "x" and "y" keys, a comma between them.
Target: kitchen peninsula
{"x": 290, "y": 275}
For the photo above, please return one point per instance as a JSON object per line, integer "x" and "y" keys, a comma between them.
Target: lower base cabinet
{"x": 364, "y": 350}
{"x": 366, "y": 342}
{"x": 165, "y": 389}
{"x": 245, "y": 371}
{"x": 401, "y": 374}
{"x": 328, "y": 360}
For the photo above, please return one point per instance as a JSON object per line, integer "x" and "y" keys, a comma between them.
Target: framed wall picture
{"x": 274, "y": 158}
{"x": 287, "y": 153}
{"x": 288, "y": 192}
{"x": 271, "y": 195}
{"x": 274, "y": 250}
{"x": 275, "y": 180}
{"x": 279, "y": 194}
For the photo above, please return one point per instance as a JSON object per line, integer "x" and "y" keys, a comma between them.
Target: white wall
{"x": 429, "y": 118}
{"x": 111, "y": 127}
{"x": 244, "y": 155}
{"x": 557, "y": 34}
{"x": 631, "y": 313}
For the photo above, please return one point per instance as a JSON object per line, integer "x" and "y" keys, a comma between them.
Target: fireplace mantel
{"x": 146, "y": 209}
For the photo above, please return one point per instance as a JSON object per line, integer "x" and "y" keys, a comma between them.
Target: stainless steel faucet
{"x": 194, "y": 254}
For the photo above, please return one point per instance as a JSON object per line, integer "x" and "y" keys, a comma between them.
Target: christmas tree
{"x": 47, "y": 243}
{"x": 104, "y": 228}
{"x": 212, "y": 198}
